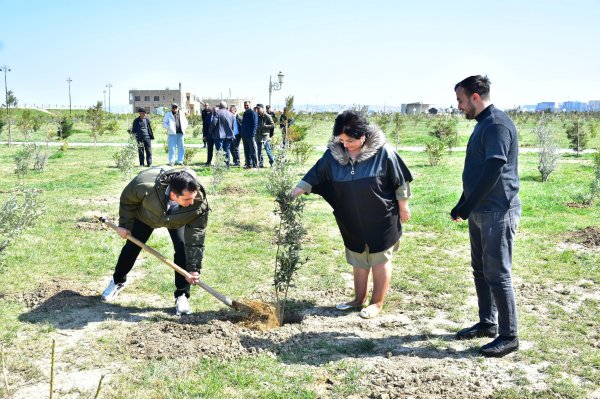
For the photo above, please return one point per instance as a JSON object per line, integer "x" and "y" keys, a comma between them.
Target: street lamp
{"x": 109, "y": 86}
{"x": 69, "y": 82}
{"x": 5, "y": 69}
{"x": 275, "y": 85}
{"x": 104, "y": 103}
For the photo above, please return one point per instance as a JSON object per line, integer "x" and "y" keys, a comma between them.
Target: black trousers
{"x": 211, "y": 145}
{"x": 145, "y": 145}
{"x": 250, "y": 154}
{"x": 130, "y": 252}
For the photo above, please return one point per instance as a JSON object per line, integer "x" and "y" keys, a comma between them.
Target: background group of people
{"x": 222, "y": 130}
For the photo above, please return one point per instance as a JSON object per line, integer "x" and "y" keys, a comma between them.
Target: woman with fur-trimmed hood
{"x": 367, "y": 184}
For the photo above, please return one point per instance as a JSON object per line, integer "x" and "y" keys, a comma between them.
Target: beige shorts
{"x": 367, "y": 260}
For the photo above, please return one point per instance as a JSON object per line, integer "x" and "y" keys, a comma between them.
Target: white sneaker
{"x": 111, "y": 292}
{"x": 182, "y": 305}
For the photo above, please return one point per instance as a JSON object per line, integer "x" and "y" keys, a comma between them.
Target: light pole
{"x": 275, "y": 85}
{"x": 109, "y": 86}
{"x": 6, "y": 69}
{"x": 69, "y": 81}
{"x": 104, "y": 103}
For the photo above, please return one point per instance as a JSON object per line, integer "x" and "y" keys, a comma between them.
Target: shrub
{"x": 290, "y": 233}
{"x": 446, "y": 132}
{"x": 547, "y": 143}
{"x": 17, "y": 213}
{"x": 23, "y": 157}
{"x": 197, "y": 131}
{"x": 39, "y": 158}
{"x": 577, "y": 136}
{"x": 125, "y": 157}
{"x": 297, "y": 132}
{"x": 301, "y": 151}
{"x": 189, "y": 154}
{"x": 219, "y": 168}
{"x": 594, "y": 193}
{"x": 111, "y": 126}
{"x": 65, "y": 127}
{"x": 435, "y": 151}
{"x": 95, "y": 117}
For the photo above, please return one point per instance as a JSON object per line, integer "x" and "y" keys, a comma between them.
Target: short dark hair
{"x": 351, "y": 123}
{"x": 182, "y": 181}
{"x": 141, "y": 109}
{"x": 475, "y": 84}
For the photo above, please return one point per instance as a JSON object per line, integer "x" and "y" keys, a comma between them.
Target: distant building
{"x": 547, "y": 106}
{"x": 153, "y": 101}
{"x": 594, "y": 105}
{"x": 573, "y": 106}
{"x": 417, "y": 108}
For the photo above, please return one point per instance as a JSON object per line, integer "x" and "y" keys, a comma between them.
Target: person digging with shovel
{"x": 163, "y": 197}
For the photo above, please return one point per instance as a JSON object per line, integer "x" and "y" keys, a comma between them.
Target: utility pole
{"x": 69, "y": 81}
{"x": 6, "y": 69}
{"x": 109, "y": 86}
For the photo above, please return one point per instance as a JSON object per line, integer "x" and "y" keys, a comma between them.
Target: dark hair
{"x": 182, "y": 181}
{"x": 475, "y": 84}
{"x": 352, "y": 124}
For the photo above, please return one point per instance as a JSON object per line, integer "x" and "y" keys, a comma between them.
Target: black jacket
{"x": 137, "y": 130}
{"x": 362, "y": 192}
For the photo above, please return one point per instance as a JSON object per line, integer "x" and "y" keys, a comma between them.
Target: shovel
{"x": 172, "y": 265}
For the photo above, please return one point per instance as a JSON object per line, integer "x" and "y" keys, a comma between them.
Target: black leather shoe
{"x": 478, "y": 330}
{"x": 501, "y": 346}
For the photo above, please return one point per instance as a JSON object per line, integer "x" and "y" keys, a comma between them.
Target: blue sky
{"x": 352, "y": 52}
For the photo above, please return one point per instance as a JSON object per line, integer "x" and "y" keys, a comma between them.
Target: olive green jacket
{"x": 265, "y": 124}
{"x": 145, "y": 199}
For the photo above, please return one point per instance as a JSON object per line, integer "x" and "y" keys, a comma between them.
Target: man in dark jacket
{"x": 207, "y": 119}
{"x": 222, "y": 130}
{"x": 490, "y": 202}
{"x": 206, "y": 114}
{"x": 249, "y": 126}
{"x": 143, "y": 134}
{"x": 171, "y": 198}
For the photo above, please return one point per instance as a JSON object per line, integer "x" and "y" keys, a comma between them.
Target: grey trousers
{"x": 492, "y": 235}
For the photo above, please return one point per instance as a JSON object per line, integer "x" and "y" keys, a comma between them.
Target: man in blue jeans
{"x": 490, "y": 202}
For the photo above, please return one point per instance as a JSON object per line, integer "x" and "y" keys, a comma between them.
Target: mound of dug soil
{"x": 588, "y": 237}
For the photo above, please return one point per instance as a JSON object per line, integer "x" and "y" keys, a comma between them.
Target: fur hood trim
{"x": 374, "y": 141}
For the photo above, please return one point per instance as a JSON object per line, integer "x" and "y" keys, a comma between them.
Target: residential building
{"x": 156, "y": 100}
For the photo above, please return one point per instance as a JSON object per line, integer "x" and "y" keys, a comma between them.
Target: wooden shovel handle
{"x": 169, "y": 263}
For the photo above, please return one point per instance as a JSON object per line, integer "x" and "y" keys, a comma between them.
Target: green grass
{"x": 431, "y": 273}
{"x": 258, "y": 377}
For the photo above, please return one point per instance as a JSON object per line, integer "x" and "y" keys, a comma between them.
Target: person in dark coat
{"x": 490, "y": 202}
{"x": 143, "y": 134}
{"x": 249, "y": 126}
{"x": 367, "y": 184}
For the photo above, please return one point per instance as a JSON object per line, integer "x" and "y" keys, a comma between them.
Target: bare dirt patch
{"x": 398, "y": 354}
{"x": 61, "y": 291}
{"x": 235, "y": 190}
{"x": 588, "y": 237}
